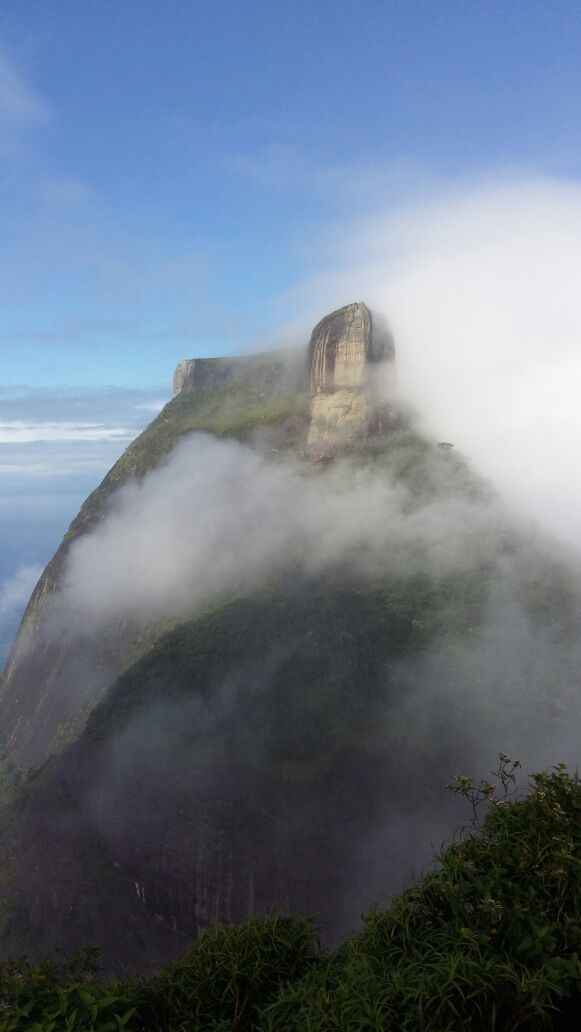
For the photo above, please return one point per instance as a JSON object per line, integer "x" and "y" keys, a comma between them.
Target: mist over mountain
{"x": 284, "y": 620}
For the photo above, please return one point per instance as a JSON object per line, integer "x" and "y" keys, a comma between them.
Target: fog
{"x": 481, "y": 287}
{"x": 15, "y": 590}
{"x": 218, "y": 516}
{"x": 219, "y": 519}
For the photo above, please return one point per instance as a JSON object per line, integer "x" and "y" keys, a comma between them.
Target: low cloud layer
{"x": 65, "y": 432}
{"x": 20, "y": 432}
{"x": 218, "y": 516}
{"x": 15, "y": 591}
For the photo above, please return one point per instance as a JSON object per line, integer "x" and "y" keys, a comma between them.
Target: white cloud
{"x": 15, "y": 591}
{"x": 218, "y": 515}
{"x": 19, "y": 432}
{"x": 152, "y": 406}
{"x": 67, "y": 432}
{"x": 275, "y": 166}
{"x": 28, "y": 464}
{"x": 481, "y": 289}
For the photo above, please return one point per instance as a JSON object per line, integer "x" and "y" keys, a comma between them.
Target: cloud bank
{"x": 64, "y": 432}
{"x": 20, "y": 432}
{"x": 219, "y": 516}
{"x": 481, "y": 288}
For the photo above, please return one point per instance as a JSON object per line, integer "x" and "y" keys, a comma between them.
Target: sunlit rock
{"x": 345, "y": 352}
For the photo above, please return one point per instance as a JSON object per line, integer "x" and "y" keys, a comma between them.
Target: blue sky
{"x": 171, "y": 170}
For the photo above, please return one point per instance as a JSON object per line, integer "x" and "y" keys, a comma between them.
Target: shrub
{"x": 490, "y": 940}
{"x": 229, "y": 975}
{"x": 54, "y": 997}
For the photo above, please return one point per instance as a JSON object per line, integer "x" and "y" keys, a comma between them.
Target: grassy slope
{"x": 259, "y": 395}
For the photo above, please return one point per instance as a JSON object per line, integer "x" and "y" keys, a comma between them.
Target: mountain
{"x": 276, "y": 629}
{"x": 52, "y": 683}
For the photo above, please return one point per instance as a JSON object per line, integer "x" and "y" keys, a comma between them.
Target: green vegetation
{"x": 260, "y": 394}
{"x": 229, "y": 976}
{"x": 57, "y": 997}
{"x": 303, "y": 702}
{"x": 487, "y": 941}
{"x": 253, "y": 398}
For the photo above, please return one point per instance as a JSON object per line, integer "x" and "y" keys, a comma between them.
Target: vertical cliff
{"x": 346, "y": 352}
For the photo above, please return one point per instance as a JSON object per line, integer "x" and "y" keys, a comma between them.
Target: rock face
{"x": 345, "y": 352}
{"x": 349, "y": 354}
{"x": 202, "y": 374}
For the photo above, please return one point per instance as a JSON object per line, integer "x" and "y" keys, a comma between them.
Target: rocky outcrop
{"x": 348, "y": 355}
{"x": 346, "y": 351}
{"x": 271, "y": 371}
{"x": 199, "y": 374}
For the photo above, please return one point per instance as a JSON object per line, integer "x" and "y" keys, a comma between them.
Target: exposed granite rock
{"x": 198, "y": 374}
{"x": 345, "y": 350}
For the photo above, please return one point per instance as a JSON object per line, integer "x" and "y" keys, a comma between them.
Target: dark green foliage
{"x": 229, "y": 976}
{"x": 55, "y": 997}
{"x": 260, "y": 395}
{"x": 321, "y": 683}
{"x": 222, "y": 983}
{"x": 489, "y": 941}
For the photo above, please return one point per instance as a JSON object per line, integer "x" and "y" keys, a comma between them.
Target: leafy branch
{"x": 488, "y": 793}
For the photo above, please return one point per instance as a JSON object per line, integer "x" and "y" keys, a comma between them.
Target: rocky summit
{"x": 345, "y": 351}
{"x": 349, "y": 368}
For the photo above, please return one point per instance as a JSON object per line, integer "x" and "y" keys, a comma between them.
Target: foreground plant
{"x": 489, "y": 940}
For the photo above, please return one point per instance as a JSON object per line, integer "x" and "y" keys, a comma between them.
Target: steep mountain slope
{"x": 284, "y": 745}
{"x": 51, "y": 683}
{"x": 52, "y": 680}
